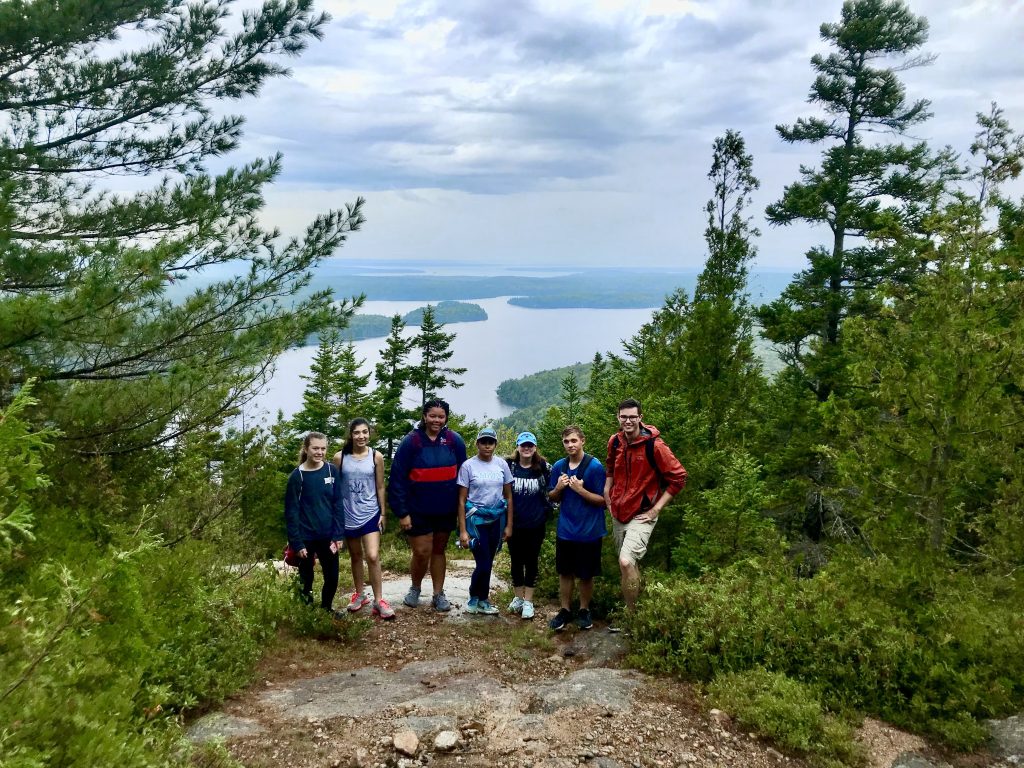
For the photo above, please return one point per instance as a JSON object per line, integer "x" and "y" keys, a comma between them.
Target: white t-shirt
{"x": 485, "y": 480}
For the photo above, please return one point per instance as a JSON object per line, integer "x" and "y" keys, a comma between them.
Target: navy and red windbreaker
{"x": 423, "y": 474}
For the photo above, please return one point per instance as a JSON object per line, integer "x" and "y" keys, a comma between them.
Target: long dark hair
{"x": 303, "y": 451}
{"x": 357, "y": 422}
{"x": 436, "y": 402}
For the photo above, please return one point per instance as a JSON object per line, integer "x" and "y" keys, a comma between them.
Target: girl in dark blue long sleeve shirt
{"x": 315, "y": 517}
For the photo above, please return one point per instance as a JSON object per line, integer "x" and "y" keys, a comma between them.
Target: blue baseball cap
{"x": 526, "y": 437}
{"x": 487, "y": 434}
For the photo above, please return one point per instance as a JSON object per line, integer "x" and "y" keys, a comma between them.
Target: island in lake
{"x": 374, "y": 326}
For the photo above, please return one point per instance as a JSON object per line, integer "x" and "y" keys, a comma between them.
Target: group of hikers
{"x": 434, "y": 489}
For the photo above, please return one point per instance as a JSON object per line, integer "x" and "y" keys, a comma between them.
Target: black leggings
{"x": 329, "y": 565}
{"x": 524, "y": 550}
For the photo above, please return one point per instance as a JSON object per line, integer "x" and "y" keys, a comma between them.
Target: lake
{"x": 512, "y": 342}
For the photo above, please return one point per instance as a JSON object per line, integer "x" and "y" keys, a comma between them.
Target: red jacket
{"x": 635, "y": 484}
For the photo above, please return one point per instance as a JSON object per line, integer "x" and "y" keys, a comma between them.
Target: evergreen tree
{"x": 392, "y": 375}
{"x": 862, "y": 192}
{"x": 930, "y": 461}
{"x": 572, "y": 399}
{"x": 430, "y": 374}
{"x": 350, "y": 388}
{"x": 931, "y": 438}
{"x": 319, "y": 402}
{"x": 719, "y": 372}
{"x": 1000, "y": 151}
{"x": 93, "y": 296}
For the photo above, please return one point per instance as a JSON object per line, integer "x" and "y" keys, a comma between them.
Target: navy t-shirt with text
{"x": 529, "y": 508}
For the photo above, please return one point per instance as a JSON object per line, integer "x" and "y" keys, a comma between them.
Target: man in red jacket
{"x": 642, "y": 477}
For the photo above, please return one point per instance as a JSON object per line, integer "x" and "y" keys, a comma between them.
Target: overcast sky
{"x": 579, "y": 131}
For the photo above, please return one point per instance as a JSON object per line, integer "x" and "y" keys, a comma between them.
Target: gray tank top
{"x": 358, "y": 490}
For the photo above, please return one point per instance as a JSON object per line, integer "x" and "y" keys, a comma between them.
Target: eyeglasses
{"x": 629, "y": 418}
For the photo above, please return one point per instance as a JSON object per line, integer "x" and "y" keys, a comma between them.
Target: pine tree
{"x": 930, "y": 455}
{"x": 350, "y": 387}
{"x": 719, "y": 372}
{"x": 862, "y": 192}
{"x": 392, "y": 375}
{"x": 430, "y": 374}
{"x": 94, "y": 297}
{"x": 319, "y": 401}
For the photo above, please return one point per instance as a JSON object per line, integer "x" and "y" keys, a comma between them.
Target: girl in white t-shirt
{"x": 485, "y": 515}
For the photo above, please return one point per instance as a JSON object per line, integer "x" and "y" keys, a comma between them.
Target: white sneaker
{"x": 516, "y": 605}
{"x": 527, "y": 609}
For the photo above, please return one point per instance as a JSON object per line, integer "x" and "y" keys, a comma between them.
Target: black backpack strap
{"x": 582, "y": 468}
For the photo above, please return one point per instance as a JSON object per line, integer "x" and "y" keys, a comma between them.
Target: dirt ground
{"x": 504, "y": 707}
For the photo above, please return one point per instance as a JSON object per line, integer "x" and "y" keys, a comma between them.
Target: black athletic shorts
{"x": 424, "y": 524}
{"x": 581, "y": 559}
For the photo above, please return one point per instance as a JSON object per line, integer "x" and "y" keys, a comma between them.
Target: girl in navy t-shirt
{"x": 530, "y": 476}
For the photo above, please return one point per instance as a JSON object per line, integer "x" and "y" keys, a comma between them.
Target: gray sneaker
{"x": 440, "y": 602}
{"x": 527, "y": 609}
{"x": 412, "y": 597}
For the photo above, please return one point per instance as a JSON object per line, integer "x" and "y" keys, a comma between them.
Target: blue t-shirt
{"x": 529, "y": 491}
{"x": 484, "y": 480}
{"x": 579, "y": 520}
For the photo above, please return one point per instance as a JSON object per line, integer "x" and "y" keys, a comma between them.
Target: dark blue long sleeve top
{"x": 312, "y": 505}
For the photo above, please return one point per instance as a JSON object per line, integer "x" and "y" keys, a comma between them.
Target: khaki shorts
{"x": 631, "y": 538}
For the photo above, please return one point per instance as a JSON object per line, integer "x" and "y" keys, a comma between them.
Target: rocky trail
{"x": 465, "y": 690}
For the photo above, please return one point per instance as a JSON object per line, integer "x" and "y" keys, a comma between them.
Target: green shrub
{"x": 788, "y": 712}
{"x": 728, "y": 522}
{"x": 932, "y": 651}
{"x": 103, "y": 646}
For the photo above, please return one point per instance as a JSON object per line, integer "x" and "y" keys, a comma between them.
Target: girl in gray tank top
{"x": 358, "y": 490}
{"x": 362, "y": 495}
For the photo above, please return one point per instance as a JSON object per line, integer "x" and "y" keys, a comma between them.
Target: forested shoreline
{"x": 851, "y": 540}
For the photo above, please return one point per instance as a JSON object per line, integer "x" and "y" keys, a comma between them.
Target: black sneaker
{"x": 583, "y": 620}
{"x": 562, "y": 618}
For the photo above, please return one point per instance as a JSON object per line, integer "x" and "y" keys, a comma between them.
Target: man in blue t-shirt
{"x": 577, "y": 481}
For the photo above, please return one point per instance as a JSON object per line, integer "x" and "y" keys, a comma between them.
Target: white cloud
{"x": 579, "y": 131}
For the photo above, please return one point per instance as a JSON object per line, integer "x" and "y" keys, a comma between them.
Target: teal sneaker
{"x": 486, "y": 608}
{"x": 473, "y": 606}
{"x": 527, "y": 612}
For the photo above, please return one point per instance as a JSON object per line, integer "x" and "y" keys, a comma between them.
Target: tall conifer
{"x": 392, "y": 375}
{"x": 431, "y": 373}
{"x": 95, "y": 303}
{"x": 863, "y": 190}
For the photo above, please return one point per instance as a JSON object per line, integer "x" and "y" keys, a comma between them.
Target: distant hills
{"x": 551, "y": 287}
{"x": 596, "y": 288}
{"x": 533, "y": 394}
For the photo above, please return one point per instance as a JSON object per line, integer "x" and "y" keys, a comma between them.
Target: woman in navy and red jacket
{"x": 423, "y": 494}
